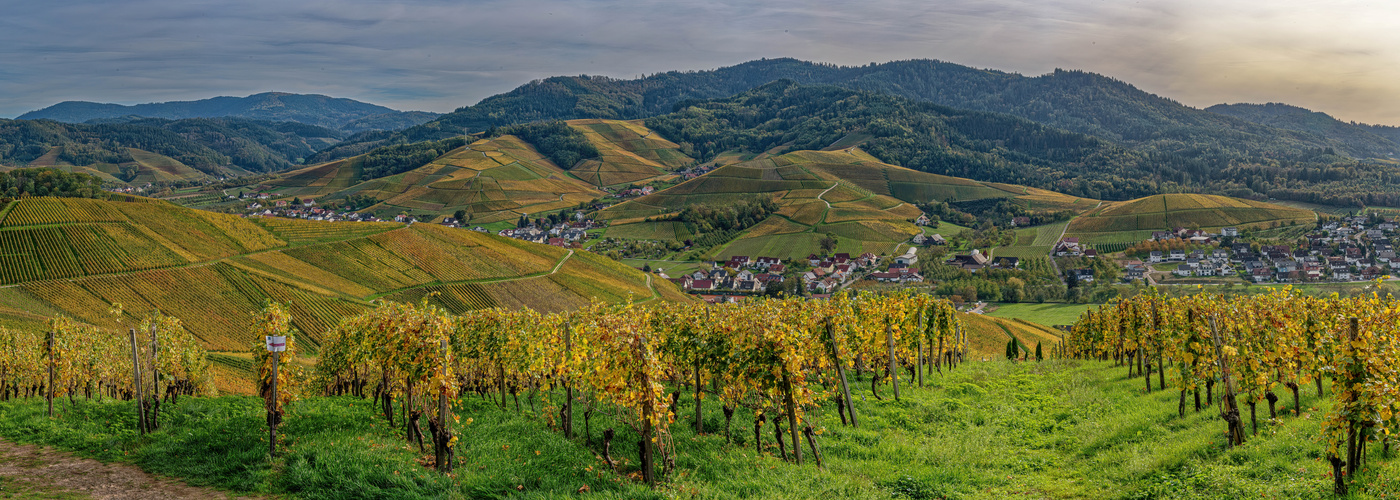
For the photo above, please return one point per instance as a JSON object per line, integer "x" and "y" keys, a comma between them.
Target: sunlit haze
{"x": 1336, "y": 57}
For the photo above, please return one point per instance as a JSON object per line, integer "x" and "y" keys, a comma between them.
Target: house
{"x": 1006, "y": 263}
{"x": 1155, "y": 257}
{"x": 1261, "y": 275}
{"x": 909, "y": 258}
{"x": 1230, "y": 232}
{"x": 971, "y": 262}
{"x": 1371, "y": 273}
{"x": 1068, "y": 247}
{"x": 918, "y": 239}
{"x": 1182, "y": 270}
{"x": 1163, "y": 235}
{"x": 1020, "y": 221}
{"x": 1091, "y": 253}
{"x": 1177, "y": 255}
{"x": 1132, "y": 274}
{"x": 702, "y": 285}
{"x": 1083, "y": 275}
{"x": 923, "y": 220}
{"x": 935, "y": 240}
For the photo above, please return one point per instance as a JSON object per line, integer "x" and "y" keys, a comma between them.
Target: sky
{"x": 1341, "y": 57}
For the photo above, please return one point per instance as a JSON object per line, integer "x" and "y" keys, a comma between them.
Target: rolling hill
{"x": 1134, "y": 220}
{"x": 80, "y": 256}
{"x": 491, "y": 179}
{"x": 865, "y": 204}
{"x": 1162, "y": 145}
{"x": 1354, "y": 139}
{"x": 337, "y": 113}
{"x": 136, "y": 151}
{"x": 628, "y": 152}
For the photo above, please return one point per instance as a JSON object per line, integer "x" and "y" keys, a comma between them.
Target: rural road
{"x": 28, "y": 471}
{"x": 833, "y": 186}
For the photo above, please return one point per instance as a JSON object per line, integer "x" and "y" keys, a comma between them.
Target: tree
{"x": 1011, "y": 349}
{"x": 828, "y": 243}
{"x": 296, "y": 200}
{"x": 461, "y": 216}
{"x": 1038, "y": 354}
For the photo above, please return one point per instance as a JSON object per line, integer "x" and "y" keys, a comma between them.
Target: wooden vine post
{"x": 442, "y": 439}
{"x": 1229, "y": 409}
{"x": 48, "y": 393}
{"x": 568, "y": 409}
{"x": 920, "y": 350}
{"x": 646, "y": 450}
{"x": 136, "y": 375}
{"x": 154, "y": 420}
{"x": 792, "y": 418}
{"x": 841, "y": 372}
{"x": 889, "y": 342}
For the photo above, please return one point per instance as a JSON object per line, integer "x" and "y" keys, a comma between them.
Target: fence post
{"x": 136, "y": 375}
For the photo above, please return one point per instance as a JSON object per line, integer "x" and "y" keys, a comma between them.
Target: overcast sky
{"x": 1341, "y": 57}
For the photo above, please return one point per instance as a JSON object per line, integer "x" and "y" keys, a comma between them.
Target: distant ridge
{"x": 1354, "y": 139}
{"x": 313, "y": 109}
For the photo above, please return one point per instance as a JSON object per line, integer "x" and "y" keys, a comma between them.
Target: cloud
{"x": 440, "y": 55}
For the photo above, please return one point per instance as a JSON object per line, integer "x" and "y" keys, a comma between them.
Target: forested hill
{"x": 205, "y": 145}
{"x": 1003, "y": 148}
{"x": 1357, "y": 139}
{"x": 342, "y": 114}
{"x": 1074, "y": 100}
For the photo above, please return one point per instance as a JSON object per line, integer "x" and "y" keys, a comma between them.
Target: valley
{"x": 693, "y": 284}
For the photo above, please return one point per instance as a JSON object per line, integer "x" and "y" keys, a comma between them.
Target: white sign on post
{"x": 276, "y": 343}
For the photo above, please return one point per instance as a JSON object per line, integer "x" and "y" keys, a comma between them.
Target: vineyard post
{"x": 154, "y": 419}
{"x": 792, "y": 417}
{"x": 272, "y": 416}
{"x": 1146, "y": 368}
{"x": 442, "y": 441}
{"x": 699, "y": 414}
{"x": 1352, "y": 380}
{"x": 920, "y": 350}
{"x": 648, "y": 460}
{"x": 568, "y": 385}
{"x": 889, "y": 342}
{"x": 48, "y": 393}
{"x": 136, "y": 375}
{"x": 1229, "y": 408}
{"x": 841, "y": 372}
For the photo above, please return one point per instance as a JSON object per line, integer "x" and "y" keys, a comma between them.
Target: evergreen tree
{"x": 1038, "y": 355}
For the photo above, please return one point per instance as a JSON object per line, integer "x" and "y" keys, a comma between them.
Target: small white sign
{"x": 276, "y": 343}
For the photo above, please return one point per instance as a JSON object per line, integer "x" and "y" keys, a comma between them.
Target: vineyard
{"x": 1260, "y": 350}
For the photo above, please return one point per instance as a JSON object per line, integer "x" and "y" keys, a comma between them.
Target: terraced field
{"x": 1117, "y": 222}
{"x": 491, "y": 179}
{"x": 866, "y": 204}
{"x": 211, "y": 270}
{"x": 628, "y": 153}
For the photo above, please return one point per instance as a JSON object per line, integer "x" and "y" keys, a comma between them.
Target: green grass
{"x": 945, "y": 228}
{"x": 985, "y": 430}
{"x": 672, "y": 269}
{"x": 1044, "y": 314}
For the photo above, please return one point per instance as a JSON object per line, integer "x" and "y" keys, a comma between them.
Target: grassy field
{"x": 1133, "y": 220}
{"x": 993, "y": 430}
{"x": 79, "y": 257}
{"x": 628, "y": 152}
{"x": 864, "y": 203}
{"x": 491, "y": 179}
{"x": 1044, "y": 314}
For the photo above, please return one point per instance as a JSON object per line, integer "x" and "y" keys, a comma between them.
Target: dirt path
{"x": 28, "y": 471}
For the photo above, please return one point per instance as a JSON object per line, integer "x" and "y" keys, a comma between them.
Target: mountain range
{"x": 336, "y": 113}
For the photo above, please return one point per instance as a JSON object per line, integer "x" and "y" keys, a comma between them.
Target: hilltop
{"x": 337, "y": 113}
{"x": 1134, "y": 220}
{"x": 79, "y": 256}
{"x": 491, "y": 180}
{"x": 865, "y": 204}
{"x": 136, "y": 151}
{"x": 1159, "y": 144}
{"x": 1354, "y": 139}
